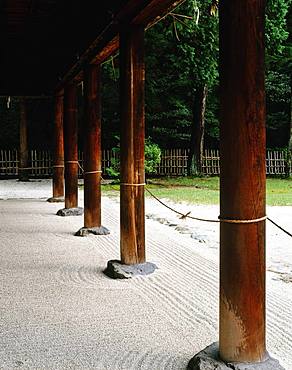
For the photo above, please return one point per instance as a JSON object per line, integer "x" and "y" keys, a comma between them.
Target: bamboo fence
{"x": 173, "y": 162}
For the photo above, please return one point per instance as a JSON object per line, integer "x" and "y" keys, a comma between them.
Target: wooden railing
{"x": 173, "y": 162}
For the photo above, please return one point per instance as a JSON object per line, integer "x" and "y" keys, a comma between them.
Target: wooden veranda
{"x": 50, "y": 46}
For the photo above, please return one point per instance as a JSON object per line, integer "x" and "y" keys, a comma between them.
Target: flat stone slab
{"x": 116, "y": 270}
{"x": 85, "y": 231}
{"x": 208, "y": 359}
{"x": 77, "y": 211}
{"x": 56, "y": 200}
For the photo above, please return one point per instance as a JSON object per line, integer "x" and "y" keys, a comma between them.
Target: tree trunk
{"x": 194, "y": 165}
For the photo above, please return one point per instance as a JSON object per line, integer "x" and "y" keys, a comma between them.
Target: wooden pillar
{"x": 242, "y": 181}
{"x": 92, "y": 147}
{"x": 71, "y": 146}
{"x": 58, "y": 166}
{"x": 23, "y": 144}
{"x": 92, "y": 153}
{"x": 132, "y": 78}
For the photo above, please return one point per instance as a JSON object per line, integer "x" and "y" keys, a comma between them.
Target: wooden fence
{"x": 173, "y": 162}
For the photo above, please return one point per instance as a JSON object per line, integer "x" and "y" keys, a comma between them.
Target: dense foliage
{"x": 278, "y": 72}
{"x": 181, "y": 71}
{"x": 182, "y": 56}
{"x": 152, "y": 159}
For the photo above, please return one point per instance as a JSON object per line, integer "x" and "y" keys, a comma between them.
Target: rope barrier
{"x": 76, "y": 162}
{"x": 252, "y": 221}
{"x": 85, "y": 172}
{"x": 281, "y": 228}
{"x": 79, "y": 165}
{"x": 27, "y": 168}
{"x": 128, "y": 184}
{"x": 187, "y": 215}
{"x": 89, "y": 172}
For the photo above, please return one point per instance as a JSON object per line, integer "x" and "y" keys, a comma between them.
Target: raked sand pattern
{"x": 59, "y": 311}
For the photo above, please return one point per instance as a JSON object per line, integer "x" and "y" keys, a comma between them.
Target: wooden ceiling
{"x": 45, "y": 42}
{"x": 42, "y": 39}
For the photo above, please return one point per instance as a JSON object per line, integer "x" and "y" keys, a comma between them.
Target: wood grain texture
{"x": 70, "y": 146}
{"x": 92, "y": 146}
{"x": 242, "y": 182}
{"x": 132, "y": 80}
{"x": 58, "y": 171}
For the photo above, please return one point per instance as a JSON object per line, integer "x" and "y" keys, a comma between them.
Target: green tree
{"x": 199, "y": 47}
{"x": 183, "y": 71}
{"x": 182, "y": 79}
{"x": 279, "y": 72}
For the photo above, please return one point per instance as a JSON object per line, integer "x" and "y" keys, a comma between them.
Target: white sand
{"x": 58, "y": 311}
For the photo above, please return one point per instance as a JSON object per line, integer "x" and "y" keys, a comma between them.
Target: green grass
{"x": 205, "y": 190}
{"x": 279, "y": 192}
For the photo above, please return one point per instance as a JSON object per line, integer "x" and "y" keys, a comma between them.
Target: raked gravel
{"x": 59, "y": 311}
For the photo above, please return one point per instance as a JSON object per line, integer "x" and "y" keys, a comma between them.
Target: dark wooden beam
{"x": 132, "y": 78}
{"x": 154, "y": 11}
{"x": 242, "y": 181}
{"x": 137, "y": 12}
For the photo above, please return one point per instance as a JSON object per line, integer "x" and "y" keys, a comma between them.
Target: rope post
{"x": 92, "y": 153}
{"x": 242, "y": 182}
{"x": 58, "y": 167}
{"x": 132, "y": 79}
{"x": 70, "y": 146}
{"x": 242, "y": 334}
{"x": 132, "y": 209}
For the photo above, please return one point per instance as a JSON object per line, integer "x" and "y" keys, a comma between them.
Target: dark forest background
{"x": 182, "y": 107}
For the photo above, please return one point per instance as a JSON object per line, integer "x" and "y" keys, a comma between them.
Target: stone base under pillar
{"x": 84, "y": 231}
{"x": 116, "y": 270}
{"x": 56, "y": 200}
{"x": 208, "y": 359}
{"x": 77, "y": 211}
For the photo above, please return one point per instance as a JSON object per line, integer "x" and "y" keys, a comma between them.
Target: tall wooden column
{"x": 58, "y": 166}
{"x": 71, "y": 146}
{"x": 92, "y": 153}
{"x": 71, "y": 152}
{"x": 132, "y": 79}
{"x": 23, "y": 144}
{"x": 242, "y": 193}
{"x": 132, "y": 210}
{"x": 242, "y": 181}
